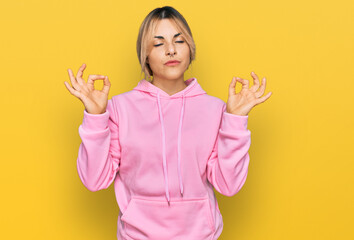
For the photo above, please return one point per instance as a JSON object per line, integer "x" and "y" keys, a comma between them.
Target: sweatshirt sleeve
{"x": 99, "y": 152}
{"x": 227, "y": 165}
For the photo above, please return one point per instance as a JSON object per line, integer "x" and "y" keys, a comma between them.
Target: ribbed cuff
{"x": 95, "y": 122}
{"x": 233, "y": 122}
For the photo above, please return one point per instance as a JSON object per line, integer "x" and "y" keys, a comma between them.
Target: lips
{"x": 172, "y": 62}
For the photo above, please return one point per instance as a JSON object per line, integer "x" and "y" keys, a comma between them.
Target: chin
{"x": 172, "y": 73}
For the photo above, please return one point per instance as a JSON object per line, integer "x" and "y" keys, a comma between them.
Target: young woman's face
{"x": 168, "y": 44}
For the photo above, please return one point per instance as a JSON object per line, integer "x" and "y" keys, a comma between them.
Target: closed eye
{"x": 156, "y": 45}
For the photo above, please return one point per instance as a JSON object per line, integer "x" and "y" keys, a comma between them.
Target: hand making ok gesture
{"x": 241, "y": 103}
{"x": 95, "y": 101}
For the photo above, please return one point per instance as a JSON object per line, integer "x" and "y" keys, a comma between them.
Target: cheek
{"x": 186, "y": 52}
{"x": 154, "y": 59}
{"x": 187, "y": 55}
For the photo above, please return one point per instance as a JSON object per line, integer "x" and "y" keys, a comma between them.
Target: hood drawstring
{"x": 178, "y": 147}
{"x": 193, "y": 89}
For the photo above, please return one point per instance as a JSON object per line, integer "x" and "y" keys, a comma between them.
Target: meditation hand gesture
{"x": 241, "y": 103}
{"x": 95, "y": 101}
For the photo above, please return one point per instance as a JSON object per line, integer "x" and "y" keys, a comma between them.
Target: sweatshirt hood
{"x": 193, "y": 89}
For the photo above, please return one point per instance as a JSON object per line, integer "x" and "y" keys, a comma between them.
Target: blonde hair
{"x": 143, "y": 46}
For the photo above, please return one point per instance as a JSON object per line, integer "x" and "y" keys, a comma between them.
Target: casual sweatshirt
{"x": 165, "y": 154}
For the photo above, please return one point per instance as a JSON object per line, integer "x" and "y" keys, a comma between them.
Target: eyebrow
{"x": 161, "y": 37}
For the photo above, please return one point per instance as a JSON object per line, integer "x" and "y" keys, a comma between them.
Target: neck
{"x": 170, "y": 86}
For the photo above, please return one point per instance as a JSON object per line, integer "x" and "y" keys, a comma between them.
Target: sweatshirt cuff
{"x": 95, "y": 122}
{"x": 233, "y": 122}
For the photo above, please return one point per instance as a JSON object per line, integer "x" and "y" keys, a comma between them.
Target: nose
{"x": 171, "y": 50}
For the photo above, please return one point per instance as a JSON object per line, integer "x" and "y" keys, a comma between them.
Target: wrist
{"x": 237, "y": 113}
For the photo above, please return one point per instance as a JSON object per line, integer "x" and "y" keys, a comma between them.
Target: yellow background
{"x": 300, "y": 180}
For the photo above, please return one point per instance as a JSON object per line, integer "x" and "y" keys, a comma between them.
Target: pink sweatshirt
{"x": 165, "y": 154}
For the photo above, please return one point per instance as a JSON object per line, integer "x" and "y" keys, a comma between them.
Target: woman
{"x": 166, "y": 143}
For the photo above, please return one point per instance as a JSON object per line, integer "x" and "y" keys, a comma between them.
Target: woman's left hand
{"x": 241, "y": 103}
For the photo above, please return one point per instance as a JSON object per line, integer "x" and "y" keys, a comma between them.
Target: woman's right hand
{"x": 95, "y": 101}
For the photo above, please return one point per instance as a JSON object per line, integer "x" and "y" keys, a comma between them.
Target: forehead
{"x": 166, "y": 28}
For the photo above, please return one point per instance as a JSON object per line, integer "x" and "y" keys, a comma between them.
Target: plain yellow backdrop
{"x": 301, "y": 172}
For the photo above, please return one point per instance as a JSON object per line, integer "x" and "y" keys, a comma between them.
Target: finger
{"x": 72, "y": 91}
{"x": 80, "y": 73}
{"x": 244, "y": 82}
{"x": 232, "y": 87}
{"x": 73, "y": 80}
{"x": 255, "y": 86}
{"x": 93, "y": 78}
{"x": 260, "y": 92}
{"x": 106, "y": 86}
{"x": 262, "y": 99}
